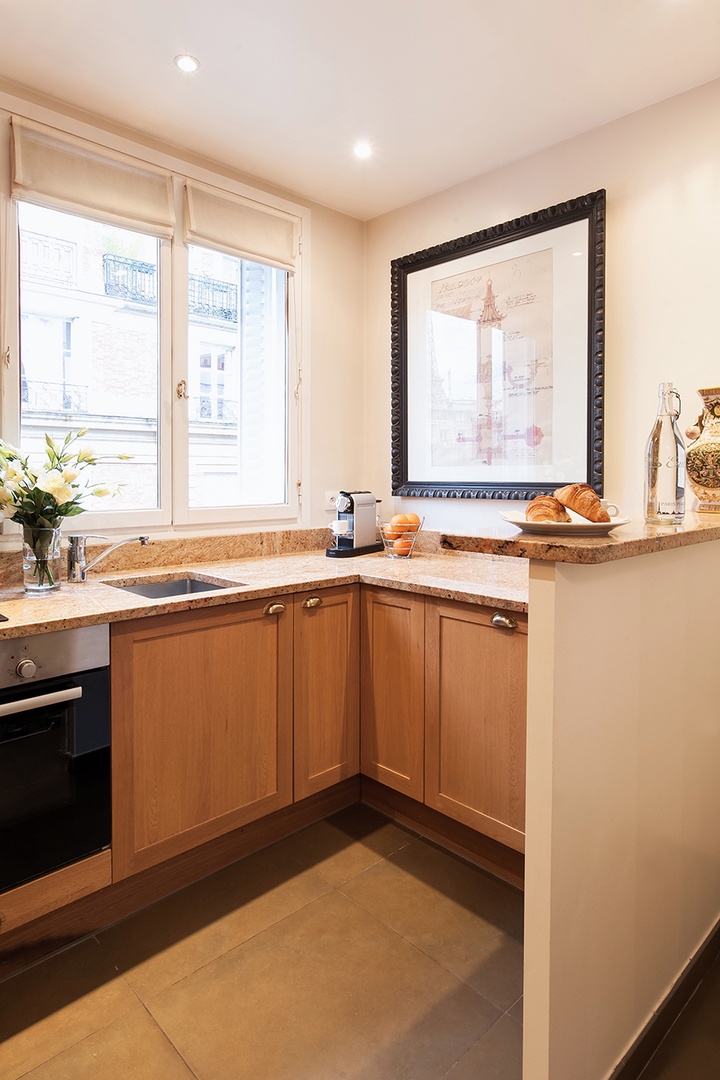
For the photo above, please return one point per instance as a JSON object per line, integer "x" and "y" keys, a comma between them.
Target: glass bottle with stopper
{"x": 665, "y": 463}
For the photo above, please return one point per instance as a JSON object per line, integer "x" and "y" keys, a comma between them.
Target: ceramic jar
{"x": 703, "y": 454}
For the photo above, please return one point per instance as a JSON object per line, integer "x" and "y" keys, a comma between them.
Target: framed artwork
{"x": 497, "y": 358}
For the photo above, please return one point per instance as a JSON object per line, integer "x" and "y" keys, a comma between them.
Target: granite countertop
{"x": 473, "y": 578}
{"x": 624, "y": 542}
{"x": 491, "y": 569}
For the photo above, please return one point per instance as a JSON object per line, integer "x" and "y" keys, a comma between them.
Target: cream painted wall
{"x": 333, "y": 408}
{"x": 661, "y": 170}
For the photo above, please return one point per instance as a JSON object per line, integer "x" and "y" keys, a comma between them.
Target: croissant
{"x": 582, "y": 499}
{"x": 546, "y": 508}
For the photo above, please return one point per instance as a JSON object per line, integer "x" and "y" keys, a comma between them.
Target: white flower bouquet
{"x": 39, "y": 499}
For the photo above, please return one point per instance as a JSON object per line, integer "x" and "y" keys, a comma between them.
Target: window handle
{"x": 181, "y": 390}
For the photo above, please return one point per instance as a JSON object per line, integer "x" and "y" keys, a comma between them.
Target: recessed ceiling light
{"x": 186, "y": 62}
{"x": 362, "y": 149}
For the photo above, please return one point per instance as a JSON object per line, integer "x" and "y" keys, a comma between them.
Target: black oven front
{"x": 54, "y": 751}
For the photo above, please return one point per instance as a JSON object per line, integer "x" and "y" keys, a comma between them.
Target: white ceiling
{"x": 442, "y": 91}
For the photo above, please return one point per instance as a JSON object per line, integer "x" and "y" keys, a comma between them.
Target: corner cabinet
{"x": 202, "y": 726}
{"x": 475, "y": 709}
{"x": 326, "y": 687}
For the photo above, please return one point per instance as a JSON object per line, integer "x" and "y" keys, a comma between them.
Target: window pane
{"x": 89, "y": 346}
{"x": 238, "y": 384}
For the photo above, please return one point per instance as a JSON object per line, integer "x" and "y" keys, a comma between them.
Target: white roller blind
{"x": 246, "y": 228}
{"x": 70, "y": 173}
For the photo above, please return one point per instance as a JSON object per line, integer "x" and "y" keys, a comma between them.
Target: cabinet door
{"x": 202, "y": 727}
{"x": 392, "y": 689}
{"x": 326, "y": 692}
{"x": 476, "y": 680}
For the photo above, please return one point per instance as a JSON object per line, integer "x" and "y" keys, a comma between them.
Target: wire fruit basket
{"x": 399, "y": 535}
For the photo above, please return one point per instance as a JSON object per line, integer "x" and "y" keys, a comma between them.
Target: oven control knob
{"x": 26, "y": 669}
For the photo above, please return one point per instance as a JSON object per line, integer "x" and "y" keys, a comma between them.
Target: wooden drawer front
{"x": 393, "y": 689}
{"x": 476, "y": 680}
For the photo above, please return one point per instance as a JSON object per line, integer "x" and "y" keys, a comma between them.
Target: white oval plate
{"x": 577, "y": 527}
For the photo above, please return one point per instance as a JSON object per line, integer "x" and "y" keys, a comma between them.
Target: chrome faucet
{"x": 77, "y": 567}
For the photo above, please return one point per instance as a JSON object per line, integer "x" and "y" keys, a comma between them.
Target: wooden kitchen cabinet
{"x": 326, "y": 687}
{"x": 201, "y": 725}
{"x": 476, "y": 678}
{"x": 393, "y": 689}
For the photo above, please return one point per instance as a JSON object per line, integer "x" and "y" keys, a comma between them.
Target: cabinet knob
{"x": 503, "y": 622}
{"x": 312, "y": 601}
{"x": 273, "y": 609}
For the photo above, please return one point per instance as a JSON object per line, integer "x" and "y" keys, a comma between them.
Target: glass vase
{"x": 703, "y": 455}
{"x": 41, "y": 560}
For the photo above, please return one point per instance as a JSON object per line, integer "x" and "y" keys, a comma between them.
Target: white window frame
{"x": 174, "y": 514}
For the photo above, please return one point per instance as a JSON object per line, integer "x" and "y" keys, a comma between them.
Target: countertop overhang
{"x": 624, "y": 542}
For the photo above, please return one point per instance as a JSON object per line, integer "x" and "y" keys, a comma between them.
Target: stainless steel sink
{"x": 184, "y": 586}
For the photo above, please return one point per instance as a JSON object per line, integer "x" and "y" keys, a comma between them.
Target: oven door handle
{"x": 9, "y": 708}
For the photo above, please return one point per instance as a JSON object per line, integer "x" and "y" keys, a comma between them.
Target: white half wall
{"x": 623, "y": 799}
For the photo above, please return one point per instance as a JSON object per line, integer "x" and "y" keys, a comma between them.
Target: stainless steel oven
{"x": 54, "y": 751}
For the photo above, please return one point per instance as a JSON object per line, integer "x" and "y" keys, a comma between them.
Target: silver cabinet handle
{"x": 40, "y": 701}
{"x": 312, "y": 601}
{"x": 504, "y": 622}
{"x": 273, "y": 609}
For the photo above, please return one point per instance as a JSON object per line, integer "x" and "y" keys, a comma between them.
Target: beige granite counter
{"x": 473, "y": 578}
{"x": 485, "y": 569}
{"x": 624, "y": 542}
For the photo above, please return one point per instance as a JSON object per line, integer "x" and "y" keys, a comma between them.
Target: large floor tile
{"x": 347, "y": 843}
{"x": 517, "y": 1011}
{"x": 329, "y": 992}
{"x": 458, "y": 915}
{"x": 131, "y": 1048}
{"x": 495, "y": 1056}
{"x": 54, "y": 1005}
{"x": 176, "y": 936}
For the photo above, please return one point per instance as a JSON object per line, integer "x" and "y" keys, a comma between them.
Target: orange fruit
{"x": 402, "y": 546}
{"x": 413, "y": 522}
{"x": 399, "y": 522}
{"x": 390, "y": 533}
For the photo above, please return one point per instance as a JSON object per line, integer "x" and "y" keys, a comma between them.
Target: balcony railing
{"x": 134, "y": 280}
{"x": 130, "y": 279}
{"x": 219, "y": 410}
{"x": 208, "y": 296}
{"x": 53, "y": 397}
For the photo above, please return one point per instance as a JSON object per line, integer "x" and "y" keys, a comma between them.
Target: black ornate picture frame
{"x": 497, "y": 358}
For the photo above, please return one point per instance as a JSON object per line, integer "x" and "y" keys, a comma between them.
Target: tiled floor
{"x": 351, "y": 951}
{"x": 691, "y": 1049}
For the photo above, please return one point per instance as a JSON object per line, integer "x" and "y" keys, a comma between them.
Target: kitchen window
{"x": 158, "y": 312}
